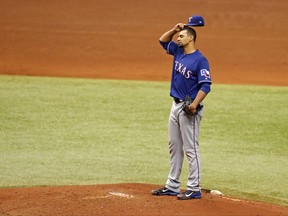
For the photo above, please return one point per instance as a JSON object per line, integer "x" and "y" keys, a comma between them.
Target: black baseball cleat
{"x": 189, "y": 195}
{"x": 164, "y": 192}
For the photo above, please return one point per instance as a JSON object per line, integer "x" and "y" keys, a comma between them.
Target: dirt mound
{"x": 121, "y": 199}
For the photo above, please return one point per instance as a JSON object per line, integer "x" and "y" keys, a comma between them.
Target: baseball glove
{"x": 187, "y": 102}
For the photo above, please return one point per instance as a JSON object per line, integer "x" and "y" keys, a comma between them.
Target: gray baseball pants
{"x": 183, "y": 137}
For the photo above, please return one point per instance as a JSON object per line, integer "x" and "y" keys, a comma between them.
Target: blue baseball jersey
{"x": 189, "y": 71}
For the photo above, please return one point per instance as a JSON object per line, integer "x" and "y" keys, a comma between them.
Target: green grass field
{"x": 63, "y": 131}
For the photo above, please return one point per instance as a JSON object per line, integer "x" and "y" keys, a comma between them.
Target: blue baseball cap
{"x": 195, "y": 20}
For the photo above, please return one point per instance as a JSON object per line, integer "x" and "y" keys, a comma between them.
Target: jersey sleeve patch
{"x": 205, "y": 74}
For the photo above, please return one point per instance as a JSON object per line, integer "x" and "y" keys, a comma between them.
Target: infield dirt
{"x": 128, "y": 199}
{"x": 246, "y": 42}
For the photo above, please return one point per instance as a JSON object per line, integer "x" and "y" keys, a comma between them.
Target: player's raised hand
{"x": 179, "y": 26}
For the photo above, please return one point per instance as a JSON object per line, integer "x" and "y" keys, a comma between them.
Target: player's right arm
{"x": 168, "y": 36}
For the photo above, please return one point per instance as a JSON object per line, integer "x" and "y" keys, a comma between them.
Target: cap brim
{"x": 194, "y": 24}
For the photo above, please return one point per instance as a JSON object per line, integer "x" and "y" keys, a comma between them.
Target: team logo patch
{"x": 205, "y": 73}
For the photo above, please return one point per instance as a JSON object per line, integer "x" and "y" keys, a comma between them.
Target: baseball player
{"x": 190, "y": 84}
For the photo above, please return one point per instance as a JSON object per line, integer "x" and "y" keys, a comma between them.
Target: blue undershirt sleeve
{"x": 205, "y": 87}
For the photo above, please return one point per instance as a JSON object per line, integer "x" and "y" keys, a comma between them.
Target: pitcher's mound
{"x": 121, "y": 199}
